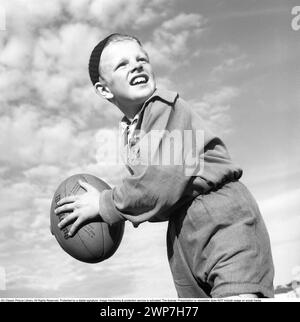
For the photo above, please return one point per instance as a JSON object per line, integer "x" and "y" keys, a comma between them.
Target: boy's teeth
{"x": 138, "y": 80}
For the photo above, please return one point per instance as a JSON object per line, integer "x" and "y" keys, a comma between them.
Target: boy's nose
{"x": 136, "y": 67}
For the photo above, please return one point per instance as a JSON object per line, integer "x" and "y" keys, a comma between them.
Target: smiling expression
{"x": 127, "y": 74}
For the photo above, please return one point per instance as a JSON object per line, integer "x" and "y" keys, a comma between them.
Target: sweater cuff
{"x": 107, "y": 208}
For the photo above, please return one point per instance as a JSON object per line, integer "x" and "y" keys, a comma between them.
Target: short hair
{"x": 97, "y": 51}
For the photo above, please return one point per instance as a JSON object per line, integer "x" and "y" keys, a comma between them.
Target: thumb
{"x": 85, "y": 185}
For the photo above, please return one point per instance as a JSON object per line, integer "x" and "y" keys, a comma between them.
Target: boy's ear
{"x": 103, "y": 91}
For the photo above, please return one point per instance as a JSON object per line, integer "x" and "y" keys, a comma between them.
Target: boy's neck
{"x": 130, "y": 112}
{"x": 130, "y": 116}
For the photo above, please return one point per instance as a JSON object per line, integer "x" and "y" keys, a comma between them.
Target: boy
{"x": 217, "y": 242}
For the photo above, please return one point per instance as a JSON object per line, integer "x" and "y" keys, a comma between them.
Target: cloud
{"x": 184, "y": 20}
{"x": 31, "y": 16}
{"x": 222, "y": 96}
{"x": 29, "y": 139}
{"x": 39, "y": 60}
{"x": 38, "y": 261}
{"x": 47, "y": 271}
{"x": 58, "y": 70}
{"x": 16, "y": 53}
{"x": 231, "y": 65}
{"x": 215, "y": 109}
{"x": 106, "y": 12}
{"x": 281, "y": 213}
{"x": 285, "y": 202}
{"x": 282, "y": 218}
{"x": 256, "y": 11}
{"x": 152, "y": 273}
{"x": 14, "y": 60}
{"x": 134, "y": 13}
{"x": 148, "y": 17}
{"x": 165, "y": 83}
{"x": 79, "y": 10}
{"x": 170, "y": 39}
{"x": 53, "y": 273}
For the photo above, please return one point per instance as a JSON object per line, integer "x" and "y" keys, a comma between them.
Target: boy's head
{"x": 120, "y": 71}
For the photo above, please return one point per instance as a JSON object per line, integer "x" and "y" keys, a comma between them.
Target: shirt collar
{"x": 166, "y": 96}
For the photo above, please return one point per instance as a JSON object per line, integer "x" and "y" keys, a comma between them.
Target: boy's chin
{"x": 143, "y": 92}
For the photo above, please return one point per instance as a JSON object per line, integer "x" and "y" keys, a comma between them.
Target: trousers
{"x": 218, "y": 246}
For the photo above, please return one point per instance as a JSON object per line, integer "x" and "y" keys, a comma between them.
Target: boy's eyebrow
{"x": 144, "y": 51}
{"x": 121, "y": 60}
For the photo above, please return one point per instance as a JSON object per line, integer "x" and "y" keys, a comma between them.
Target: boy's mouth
{"x": 139, "y": 79}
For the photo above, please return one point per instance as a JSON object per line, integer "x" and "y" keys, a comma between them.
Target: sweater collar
{"x": 164, "y": 95}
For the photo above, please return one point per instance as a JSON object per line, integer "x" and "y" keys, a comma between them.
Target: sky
{"x": 236, "y": 62}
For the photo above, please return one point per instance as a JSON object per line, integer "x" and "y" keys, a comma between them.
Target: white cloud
{"x": 282, "y": 218}
{"x": 47, "y": 271}
{"x": 148, "y": 17}
{"x": 31, "y": 16}
{"x": 16, "y": 53}
{"x": 105, "y": 11}
{"x": 152, "y": 12}
{"x": 50, "y": 269}
{"x": 113, "y": 15}
{"x": 171, "y": 38}
{"x": 57, "y": 66}
{"x": 283, "y": 206}
{"x": 53, "y": 89}
{"x": 215, "y": 109}
{"x": 62, "y": 47}
{"x": 27, "y": 17}
{"x": 165, "y": 83}
{"x": 12, "y": 85}
{"x": 185, "y": 21}
{"x": 222, "y": 96}
{"x": 231, "y": 65}
{"x": 79, "y": 9}
{"x": 43, "y": 175}
{"x": 30, "y": 139}
{"x": 155, "y": 279}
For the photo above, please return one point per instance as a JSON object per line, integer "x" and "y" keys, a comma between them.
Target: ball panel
{"x": 113, "y": 236}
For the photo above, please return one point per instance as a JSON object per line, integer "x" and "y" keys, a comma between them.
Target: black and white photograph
{"x": 150, "y": 150}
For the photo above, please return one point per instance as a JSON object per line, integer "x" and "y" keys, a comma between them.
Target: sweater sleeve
{"x": 155, "y": 186}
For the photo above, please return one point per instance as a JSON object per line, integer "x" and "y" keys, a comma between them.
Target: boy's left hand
{"x": 81, "y": 208}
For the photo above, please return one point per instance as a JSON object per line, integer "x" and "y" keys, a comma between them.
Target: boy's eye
{"x": 143, "y": 59}
{"x": 122, "y": 64}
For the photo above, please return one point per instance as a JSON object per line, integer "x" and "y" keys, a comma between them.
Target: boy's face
{"x": 127, "y": 72}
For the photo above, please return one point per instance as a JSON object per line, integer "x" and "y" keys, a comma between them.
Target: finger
{"x": 74, "y": 228}
{"x": 65, "y": 208}
{"x": 67, "y": 199}
{"x": 85, "y": 185}
{"x": 67, "y": 220}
